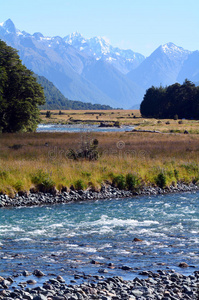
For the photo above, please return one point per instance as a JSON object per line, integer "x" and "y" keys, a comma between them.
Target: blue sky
{"x": 140, "y": 25}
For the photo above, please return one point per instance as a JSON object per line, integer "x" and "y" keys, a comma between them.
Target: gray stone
{"x": 38, "y": 273}
{"x": 26, "y": 273}
{"x": 126, "y": 268}
{"x": 60, "y": 279}
{"x": 103, "y": 271}
{"x": 54, "y": 281}
{"x": 27, "y": 296}
{"x": 40, "y": 297}
{"x": 137, "y": 293}
{"x": 31, "y": 281}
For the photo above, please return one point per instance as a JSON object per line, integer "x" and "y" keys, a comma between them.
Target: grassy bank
{"x": 129, "y": 160}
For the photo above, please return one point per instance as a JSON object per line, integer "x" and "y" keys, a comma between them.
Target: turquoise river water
{"x": 64, "y": 239}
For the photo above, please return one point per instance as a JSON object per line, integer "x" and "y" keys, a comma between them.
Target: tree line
{"x": 174, "y": 100}
{"x": 20, "y": 93}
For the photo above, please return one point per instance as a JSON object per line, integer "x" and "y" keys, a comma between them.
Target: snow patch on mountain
{"x": 95, "y": 47}
{"x": 100, "y": 48}
{"x": 173, "y": 51}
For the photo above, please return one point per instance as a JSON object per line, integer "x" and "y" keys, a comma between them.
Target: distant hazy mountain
{"x": 123, "y": 60}
{"x": 113, "y": 83}
{"x": 65, "y": 66}
{"x": 190, "y": 68}
{"x": 91, "y": 70}
{"x": 55, "y": 60}
{"x": 162, "y": 67}
{"x": 56, "y": 100}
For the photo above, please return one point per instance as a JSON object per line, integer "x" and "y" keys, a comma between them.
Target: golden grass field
{"x": 23, "y": 155}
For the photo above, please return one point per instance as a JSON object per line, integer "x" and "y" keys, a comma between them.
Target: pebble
{"x": 106, "y": 192}
{"x": 165, "y": 285}
{"x": 183, "y": 265}
{"x": 38, "y": 273}
{"x": 26, "y": 273}
{"x": 113, "y": 288}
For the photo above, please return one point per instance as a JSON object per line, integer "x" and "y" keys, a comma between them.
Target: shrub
{"x": 88, "y": 151}
{"x": 175, "y": 117}
{"x": 95, "y": 142}
{"x": 119, "y": 181}
{"x": 176, "y": 174}
{"x": 117, "y": 124}
{"x": 16, "y": 146}
{"x": 72, "y": 154}
{"x": 3, "y": 174}
{"x": 78, "y": 184}
{"x": 195, "y": 180}
{"x": 42, "y": 181}
{"x": 132, "y": 181}
{"x": 160, "y": 180}
{"x": 18, "y": 185}
{"x": 48, "y": 114}
{"x": 191, "y": 168}
{"x": 87, "y": 174}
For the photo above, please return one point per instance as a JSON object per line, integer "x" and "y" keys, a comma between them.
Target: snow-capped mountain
{"x": 161, "y": 67}
{"x": 123, "y": 60}
{"x": 9, "y": 27}
{"x": 91, "y": 70}
{"x": 70, "y": 69}
{"x": 174, "y": 52}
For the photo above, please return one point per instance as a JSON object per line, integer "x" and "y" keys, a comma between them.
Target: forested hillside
{"x": 56, "y": 100}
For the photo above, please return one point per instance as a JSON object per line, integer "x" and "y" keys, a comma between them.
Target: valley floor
{"x": 124, "y": 117}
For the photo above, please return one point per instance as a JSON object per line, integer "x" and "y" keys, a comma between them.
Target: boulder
{"x": 183, "y": 265}
{"x": 137, "y": 240}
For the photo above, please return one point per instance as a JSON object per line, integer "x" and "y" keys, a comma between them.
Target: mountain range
{"x": 91, "y": 70}
{"x": 56, "y": 100}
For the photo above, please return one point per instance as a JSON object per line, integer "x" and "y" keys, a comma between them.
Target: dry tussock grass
{"x": 143, "y": 154}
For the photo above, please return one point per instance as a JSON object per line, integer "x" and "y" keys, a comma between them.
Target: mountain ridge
{"x": 63, "y": 65}
{"x": 123, "y": 60}
{"x": 91, "y": 70}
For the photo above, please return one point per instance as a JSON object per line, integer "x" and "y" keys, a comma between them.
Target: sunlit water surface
{"x": 63, "y": 239}
{"x": 80, "y": 128}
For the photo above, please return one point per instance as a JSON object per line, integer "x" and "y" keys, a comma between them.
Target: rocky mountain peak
{"x": 9, "y": 26}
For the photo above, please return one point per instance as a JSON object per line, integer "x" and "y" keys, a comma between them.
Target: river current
{"x": 81, "y": 128}
{"x": 64, "y": 239}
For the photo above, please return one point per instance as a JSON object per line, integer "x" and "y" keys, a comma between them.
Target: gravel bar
{"x": 164, "y": 285}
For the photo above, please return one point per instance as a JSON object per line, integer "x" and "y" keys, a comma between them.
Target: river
{"x": 81, "y": 128}
{"x": 64, "y": 239}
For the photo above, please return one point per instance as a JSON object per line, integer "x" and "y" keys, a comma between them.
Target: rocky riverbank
{"x": 106, "y": 192}
{"x": 165, "y": 285}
